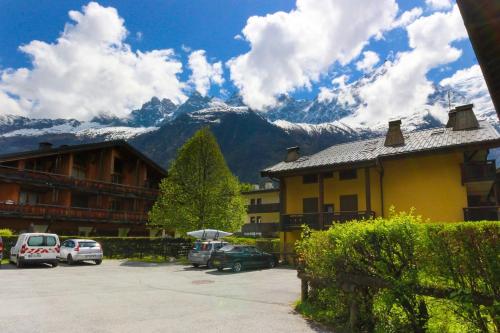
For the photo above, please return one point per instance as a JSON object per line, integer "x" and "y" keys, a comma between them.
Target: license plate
{"x": 34, "y": 255}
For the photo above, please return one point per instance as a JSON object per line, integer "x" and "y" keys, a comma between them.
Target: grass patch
{"x": 316, "y": 314}
{"x": 5, "y": 261}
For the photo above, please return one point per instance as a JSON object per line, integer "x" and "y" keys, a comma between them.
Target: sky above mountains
{"x": 75, "y": 59}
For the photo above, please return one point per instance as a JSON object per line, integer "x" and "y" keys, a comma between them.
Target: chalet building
{"x": 263, "y": 211}
{"x": 444, "y": 173}
{"x": 103, "y": 189}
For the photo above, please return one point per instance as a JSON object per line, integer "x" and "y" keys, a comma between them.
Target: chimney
{"x": 462, "y": 118}
{"x": 268, "y": 186}
{"x": 44, "y": 145}
{"x": 394, "y": 136}
{"x": 292, "y": 154}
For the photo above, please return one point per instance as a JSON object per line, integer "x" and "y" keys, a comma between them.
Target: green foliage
{"x": 6, "y": 232}
{"x": 200, "y": 190}
{"x": 269, "y": 245}
{"x": 128, "y": 247}
{"x": 246, "y": 187}
{"x": 367, "y": 274}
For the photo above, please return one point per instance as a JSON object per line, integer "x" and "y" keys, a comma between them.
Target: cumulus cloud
{"x": 89, "y": 70}
{"x": 438, "y": 4}
{"x": 203, "y": 73}
{"x": 468, "y": 86}
{"x": 369, "y": 60}
{"x": 401, "y": 87}
{"x": 407, "y": 17}
{"x": 290, "y": 50}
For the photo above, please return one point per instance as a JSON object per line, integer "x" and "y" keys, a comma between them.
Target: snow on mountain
{"x": 83, "y": 129}
{"x": 316, "y": 129}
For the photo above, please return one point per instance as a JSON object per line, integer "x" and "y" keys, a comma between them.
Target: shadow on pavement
{"x": 26, "y": 266}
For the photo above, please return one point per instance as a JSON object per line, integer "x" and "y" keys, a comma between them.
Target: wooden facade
{"x": 95, "y": 189}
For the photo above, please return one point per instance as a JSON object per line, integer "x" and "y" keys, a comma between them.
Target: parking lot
{"x": 122, "y": 296}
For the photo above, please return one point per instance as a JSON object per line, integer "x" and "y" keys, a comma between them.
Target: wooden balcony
{"x": 478, "y": 171}
{"x": 295, "y": 221}
{"x": 488, "y": 213}
{"x": 264, "y": 229}
{"x": 50, "y": 212}
{"x": 264, "y": 208}
{"x": 53, "y": 180}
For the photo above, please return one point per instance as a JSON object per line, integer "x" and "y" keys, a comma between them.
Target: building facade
{"x": 442, "y": 173}
{"x": 103, "y": 189}
{"x": 263, "y": 211}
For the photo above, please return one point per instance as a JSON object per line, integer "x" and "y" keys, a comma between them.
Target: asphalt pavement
{"x": 122, "y": 296}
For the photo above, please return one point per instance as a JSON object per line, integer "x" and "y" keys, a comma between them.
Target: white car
{"x": 35, "y": 248}
{"x": 75, "y": 250}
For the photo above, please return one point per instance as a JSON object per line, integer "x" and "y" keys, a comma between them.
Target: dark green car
{"x": 239, "y": 257}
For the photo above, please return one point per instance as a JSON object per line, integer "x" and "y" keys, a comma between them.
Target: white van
{"x": 35, "y": 248}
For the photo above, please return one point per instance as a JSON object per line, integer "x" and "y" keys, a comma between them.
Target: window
{"x": 259, "y": 201}
{"x": 348, "y": 174}
{"x": 328, "y": 208}
{"x": 50, "y": 241}
{"x": 309, "y": 179}
{"x": 35, "y": 241}
{"x": 259, "y": 219}
{"x": 79, "y": 200}
{"x": 328, "y": 175}
{"x": 87, "y": 244}
{"x": 310, "y": 205}
{"x": 349, "y": 203}
{"x": 29, "y": 198}
{"x": 252, "y": 219}
{"x": 252, "y": 202}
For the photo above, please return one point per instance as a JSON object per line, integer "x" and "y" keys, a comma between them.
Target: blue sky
{"x": 209, "y": 25}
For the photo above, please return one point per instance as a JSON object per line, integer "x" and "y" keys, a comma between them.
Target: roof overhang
{"x": 482, "y": 21}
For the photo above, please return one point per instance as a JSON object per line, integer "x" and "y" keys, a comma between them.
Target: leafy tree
{"x": 200, "y": 190}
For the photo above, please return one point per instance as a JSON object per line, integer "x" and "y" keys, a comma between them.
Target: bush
{"x": 269, "y": 245}
{"x": 6, "y": 232}
{"x": 129, "y": 247}
{"x": 379, "y": 275}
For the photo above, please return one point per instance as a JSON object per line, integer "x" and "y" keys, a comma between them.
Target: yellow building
{"x": 443, "y": 173}
{"x": 263, "y": 211}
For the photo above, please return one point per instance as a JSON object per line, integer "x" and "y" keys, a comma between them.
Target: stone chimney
{"x": 462, "y": 118}
{"x": 44, "y": 145}
{"x": 292, "y": 154}
{"x": 394, "y": 136}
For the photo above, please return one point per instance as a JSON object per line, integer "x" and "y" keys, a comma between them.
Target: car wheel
{"x": 219, "y": 269}
{"x": 70, "y": 260}
{"x": 237, "y": 267}
{"x": 55, "y": 264}
{"x": 209, "y": 264}
{"x": 19, "y": 264}
{"x": 196, "y": 265}
{"x": 98, "y": 262}
{"x": 271, "y": 263}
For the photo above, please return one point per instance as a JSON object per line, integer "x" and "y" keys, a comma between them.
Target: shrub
{"x": 6, "y": 232}
{"x": 380, "y": 275}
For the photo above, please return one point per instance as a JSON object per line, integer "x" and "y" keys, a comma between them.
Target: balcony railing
{"x": 489, "y": 213}
{"x": 63, "y": 181}
{"x": 478, "y": 171}
{"x": 50, "y": 212}
{"x": 295, "y": 221}
{"x": 263, "y": 208}
{"x": 260, "y": 228}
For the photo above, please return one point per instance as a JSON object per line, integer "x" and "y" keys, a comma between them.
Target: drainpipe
{"x": 380, "y": 170}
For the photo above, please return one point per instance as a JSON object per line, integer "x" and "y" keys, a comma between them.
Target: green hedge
{"x": 128, "y": 247}
{"x": 269, "y": 245}
{"x": 402, "y": 275}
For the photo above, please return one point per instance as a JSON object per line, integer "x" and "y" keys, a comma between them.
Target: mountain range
{"x": 249, "y": 139}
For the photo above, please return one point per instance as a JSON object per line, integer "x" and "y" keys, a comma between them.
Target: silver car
{"x": 77, "y": 250}
{"x": 201, "y": 253}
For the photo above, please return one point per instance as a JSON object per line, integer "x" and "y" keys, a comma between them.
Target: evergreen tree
{"x": 200, "y": 191}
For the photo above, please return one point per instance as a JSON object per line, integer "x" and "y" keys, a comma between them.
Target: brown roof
{"x": 365, "y": 151}
{"x": 482, "y": 21}
{"x": 83, "y": 147}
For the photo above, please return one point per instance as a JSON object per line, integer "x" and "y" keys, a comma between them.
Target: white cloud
{"x": 204, "y": 73}
{"x": 89, "y": 70}
{"x": 369, "y": 60}
{"x": 401, "y": 87}
{"x": 438, "y": 4}
{"x": 407, "y": 17}
{"x": 341, "y": 90}
{"x": 468, "y": 86}
{"x": 290, "y": 50}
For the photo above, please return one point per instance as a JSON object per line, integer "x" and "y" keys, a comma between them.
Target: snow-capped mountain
{"x": 249, "y": 139}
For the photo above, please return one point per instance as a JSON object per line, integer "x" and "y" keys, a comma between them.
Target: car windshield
{"x": 87, "y": 244}
{"x": 230, "y": 248}
{"x": 35, "y": 241}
